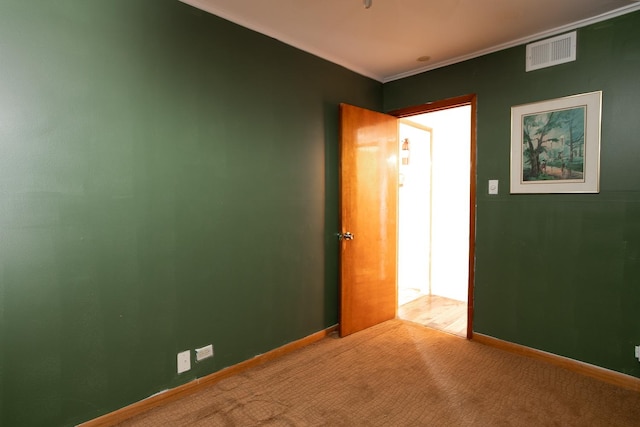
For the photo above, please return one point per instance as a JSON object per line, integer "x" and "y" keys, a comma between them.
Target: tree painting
{"x": 553, "y": 145}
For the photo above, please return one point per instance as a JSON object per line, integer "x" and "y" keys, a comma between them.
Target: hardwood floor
{"x": 436, "y": 312}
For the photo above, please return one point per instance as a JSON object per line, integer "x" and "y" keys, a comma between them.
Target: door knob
{"x": 345, "y": 236}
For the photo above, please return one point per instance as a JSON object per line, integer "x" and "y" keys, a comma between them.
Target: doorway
{"x": 369, "y": 186}
{"x": 434, "y": 219}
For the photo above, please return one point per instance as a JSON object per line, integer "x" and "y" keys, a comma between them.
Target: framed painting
{"x": 555, "y": 145}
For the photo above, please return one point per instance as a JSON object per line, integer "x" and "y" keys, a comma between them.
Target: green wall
{"x": 559, "y": 272}
{"x": 168, "y": 180}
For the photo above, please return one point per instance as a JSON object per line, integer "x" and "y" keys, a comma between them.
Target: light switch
{"x": 493, "y": 186}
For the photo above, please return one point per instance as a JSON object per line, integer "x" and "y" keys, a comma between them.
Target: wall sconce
{"x": 404, "y": 153}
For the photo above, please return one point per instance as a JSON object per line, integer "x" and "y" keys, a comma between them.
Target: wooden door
{"x": 369, "y": 212}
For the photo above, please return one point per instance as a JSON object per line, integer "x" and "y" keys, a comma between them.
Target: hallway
{"x": 437, "y": 312}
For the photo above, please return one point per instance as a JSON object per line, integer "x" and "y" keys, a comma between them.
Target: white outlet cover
{"x": 204, "y": 352}
{"x": 184, "y": 361}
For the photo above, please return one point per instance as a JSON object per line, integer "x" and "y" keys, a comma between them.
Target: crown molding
{"x": 239, "y": 20}
{"x": 556, "y": 31}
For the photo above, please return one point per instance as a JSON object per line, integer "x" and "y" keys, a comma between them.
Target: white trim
{"x": 207, "y": 7}
{"x": 579, "y": 24}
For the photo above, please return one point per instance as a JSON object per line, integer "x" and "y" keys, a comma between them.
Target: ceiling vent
{"x": 553, "y": 51}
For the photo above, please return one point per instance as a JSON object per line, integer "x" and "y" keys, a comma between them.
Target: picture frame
{"x": 555, "y": 145}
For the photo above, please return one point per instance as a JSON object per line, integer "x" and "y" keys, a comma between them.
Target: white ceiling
{"x": 384, "y": 41}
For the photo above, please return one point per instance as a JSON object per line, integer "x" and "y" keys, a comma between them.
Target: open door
{"x": 369, "y": 218}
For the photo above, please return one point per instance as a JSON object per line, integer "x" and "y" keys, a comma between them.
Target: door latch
{"x": 345, "y": 236}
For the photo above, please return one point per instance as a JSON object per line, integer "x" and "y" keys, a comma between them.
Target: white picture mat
{"x": 591, "y": 182}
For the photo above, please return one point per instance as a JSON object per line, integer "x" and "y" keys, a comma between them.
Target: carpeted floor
{"x": 402, "y": 374}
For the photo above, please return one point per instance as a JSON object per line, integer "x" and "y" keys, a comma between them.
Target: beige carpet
{"x": 402, "y": 374}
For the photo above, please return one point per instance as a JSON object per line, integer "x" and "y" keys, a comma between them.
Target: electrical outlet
{"x": 204, "y": 352}
{"x": 638, "y": 352}
{"x": 184, "y": 361}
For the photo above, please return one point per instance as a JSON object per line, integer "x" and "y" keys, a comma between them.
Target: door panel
{"x": 368, "y": 209}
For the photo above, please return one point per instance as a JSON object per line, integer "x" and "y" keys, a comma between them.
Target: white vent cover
{"x": 553, "y": 51}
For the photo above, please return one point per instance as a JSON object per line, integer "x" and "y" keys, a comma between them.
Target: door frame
{"x": 446, "y": 104}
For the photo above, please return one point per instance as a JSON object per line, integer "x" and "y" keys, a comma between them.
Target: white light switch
{"x": 493, "y": 186}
